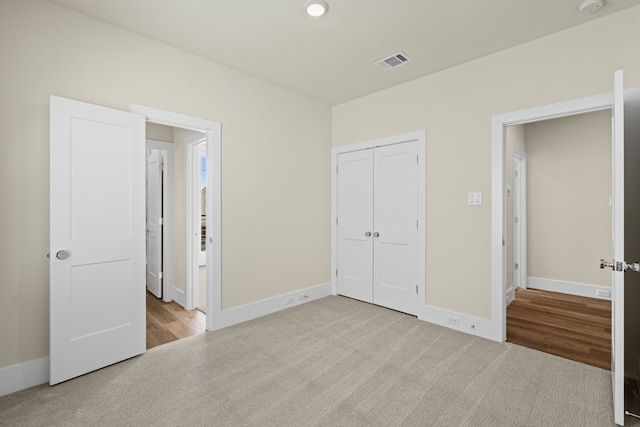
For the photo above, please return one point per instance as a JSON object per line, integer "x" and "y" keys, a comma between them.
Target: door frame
{"x": 499, "y": 124}
{"x": 420, "y": 138}
{"x": 214, "y": 226}
{"x": 168, "y": 243}
{"x": 192, "y": 218}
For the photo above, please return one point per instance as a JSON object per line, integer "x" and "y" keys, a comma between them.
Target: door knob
{"x": 367, "y": 234}
{"x": 376, "y": 234}
{"x": 62, "y": 255}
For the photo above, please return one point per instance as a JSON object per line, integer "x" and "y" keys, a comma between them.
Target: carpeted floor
{"x": 331, "y": 362}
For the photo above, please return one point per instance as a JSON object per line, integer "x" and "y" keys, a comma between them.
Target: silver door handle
{"x": 62, "y": 255}
{"x": 376, "y": 234}
{"x": 367, "y": 234}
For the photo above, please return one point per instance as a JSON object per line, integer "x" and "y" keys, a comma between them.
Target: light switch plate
{"x": 474, "y": 199}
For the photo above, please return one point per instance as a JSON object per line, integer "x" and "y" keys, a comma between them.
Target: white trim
{"x": 24, "y": 375}
{"x": 570, "y": 288}
{"x": 168, "y": 244}
{"x": 192, "y": 224}
{"x": 271, "y": 305}
{"x": 511, "y": 296}
{"x": 418, "y": 136}
{"x": 179, "y": 297}
{"x": 214, "y": 225}
{"x": 466, "y": 323}
{"x": 498, "y": 212}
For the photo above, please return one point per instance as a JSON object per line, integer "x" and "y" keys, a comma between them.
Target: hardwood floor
{"x": 577, "y": 328}
{"x": 168, "y": 321}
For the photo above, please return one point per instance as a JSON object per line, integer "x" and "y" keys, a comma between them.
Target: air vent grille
{"x": 393, "y": 61}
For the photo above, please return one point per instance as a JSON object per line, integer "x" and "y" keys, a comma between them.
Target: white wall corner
{"x": 24, "y": 375}
{"x": 570, "y": 288}
{"x": 471, "y": 325}
{"x": 179, "y": 297}
{"x": 511, "y": 295}
{"x": 267, "y": 306}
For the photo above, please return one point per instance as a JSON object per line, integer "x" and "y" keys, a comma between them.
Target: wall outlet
{"x": 302, "y": 297}
{"x": 603, "y": 293}
{"x": 289, "y": 300}
{"x": 454, "y": 320}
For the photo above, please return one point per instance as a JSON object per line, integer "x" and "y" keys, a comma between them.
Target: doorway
{"x": 212, "y": 133}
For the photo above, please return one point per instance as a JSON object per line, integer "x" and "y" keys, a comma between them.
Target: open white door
{"x": 154, "y": 222}
{"x": 97, "y": 240}
{"x": 618, "y": 264}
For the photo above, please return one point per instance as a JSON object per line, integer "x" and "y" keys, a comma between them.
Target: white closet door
{"x": 355, "y": 225}
{"x": 395, "y": 227}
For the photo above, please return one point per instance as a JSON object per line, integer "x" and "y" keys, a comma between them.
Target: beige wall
{"x": 159, "y": 132}
{"x": 275, "y": 158}
{"x": 455, "y": 107}
{"x": 568, "y": 190}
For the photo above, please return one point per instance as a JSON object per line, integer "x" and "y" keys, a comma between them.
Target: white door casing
{"x": 216, "y": 319}
{"x": 377, "y": 225}
{"x": 154, "y": 219}
{"x": 355, "y": 225}
{"x": 395, "y": 227}
{"x": 97, "y": 237}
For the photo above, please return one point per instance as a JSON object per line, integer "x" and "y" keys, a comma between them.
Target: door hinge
{"x": 515, "y": 219}
{"x": 160, "y": 221}
{"x": 417, "y": 226}
{"x": 336, "y": 169}
{"x": 160, "y": 275}
{"x": 517, "y": 266}
{"x": 417, "y": 159}
{"x": 336, "y": 272}
{"x": 336, "y": 220}
{"x": 416, "y": 289}
{"x": 515, "y": 174}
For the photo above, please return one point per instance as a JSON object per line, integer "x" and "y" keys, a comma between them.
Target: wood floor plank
{"x": 169, "y": 321}
{"x": 574, "y": 327}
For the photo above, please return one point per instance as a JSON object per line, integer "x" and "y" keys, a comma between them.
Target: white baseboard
{"x": 257, "y": 309}
{"x": 571, "y": 288}
{"x": 179, "y": 297}
{"x": 24, "y": 375}
{"x": 465, "y": 323}
{"x": 511, "y": 295}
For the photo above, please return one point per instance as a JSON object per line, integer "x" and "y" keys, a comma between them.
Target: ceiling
{"x": 331, "y": 59}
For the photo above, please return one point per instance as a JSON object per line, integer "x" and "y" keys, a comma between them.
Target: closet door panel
{"x": 395, "y": 227}
{"x": 355, "y": 225}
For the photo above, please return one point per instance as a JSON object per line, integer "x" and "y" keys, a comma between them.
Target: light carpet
{"x": 330, "y": 362}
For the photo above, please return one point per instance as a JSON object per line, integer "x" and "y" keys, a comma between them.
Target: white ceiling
{"x": 331, "y": 58}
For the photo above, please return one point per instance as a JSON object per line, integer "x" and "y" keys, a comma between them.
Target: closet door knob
{"x": 367, "y": 234}
{"x": 376, "y": 234}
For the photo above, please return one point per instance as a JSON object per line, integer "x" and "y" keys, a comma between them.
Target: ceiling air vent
{"x": 393, "y": 61}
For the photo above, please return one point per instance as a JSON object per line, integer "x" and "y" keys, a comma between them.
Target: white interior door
{"x": 395, "y": 236}
{"x": 97, "y": 240}
{"x": 519, "y": 189}
{"x": 154, "y": 221}
{"x": 355, "y": 225}
{"x": 617, "y": 303}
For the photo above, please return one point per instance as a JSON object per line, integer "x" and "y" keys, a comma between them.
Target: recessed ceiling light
{"x": 316, "y": 7}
